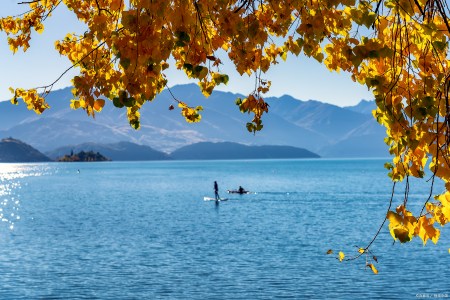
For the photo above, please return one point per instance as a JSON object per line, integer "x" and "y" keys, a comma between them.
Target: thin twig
{"x": 379, "y": 229}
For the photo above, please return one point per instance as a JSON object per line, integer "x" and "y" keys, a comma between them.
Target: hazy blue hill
{"x": 363, "y": 107}
{"x": 59, "y": 101}
{"x": 12, "y": 115}
{"x": 328, "y": 120}
{"x": 362, "y": 146}
{"x": 367, "y": 140}
{"x": 121, "y": 151}
{"x": 49, "y": 133}
{"x": 222, "y": 121}
{"x": 12, "y": 150}
{"x": 227, "y": 150}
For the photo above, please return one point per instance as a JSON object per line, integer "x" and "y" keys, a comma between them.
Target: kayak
{"x": 238, "y": 192}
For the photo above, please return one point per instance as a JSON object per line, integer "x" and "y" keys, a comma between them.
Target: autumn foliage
{"x": 397, "y": 48}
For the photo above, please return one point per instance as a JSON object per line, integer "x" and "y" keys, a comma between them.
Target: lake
{"x": 141, "y": 230}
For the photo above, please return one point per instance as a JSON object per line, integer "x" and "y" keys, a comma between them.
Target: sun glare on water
{"x": 10, "y": 185}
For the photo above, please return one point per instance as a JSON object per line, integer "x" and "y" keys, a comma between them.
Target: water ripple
{"x": 143, "y": 231}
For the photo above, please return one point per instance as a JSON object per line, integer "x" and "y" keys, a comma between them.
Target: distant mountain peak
{"x": 11, "y": 140}
{"x": 363, "y": 107}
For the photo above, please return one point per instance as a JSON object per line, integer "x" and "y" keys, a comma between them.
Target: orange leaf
{"x": 98, "y": 104}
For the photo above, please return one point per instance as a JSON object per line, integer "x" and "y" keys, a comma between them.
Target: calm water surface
{"x": 142, "y": 231}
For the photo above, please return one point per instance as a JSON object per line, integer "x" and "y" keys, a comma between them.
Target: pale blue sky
{"x": 300, "y": 77}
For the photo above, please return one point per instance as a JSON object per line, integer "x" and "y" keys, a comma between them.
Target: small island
{"x": 83, "y": 157}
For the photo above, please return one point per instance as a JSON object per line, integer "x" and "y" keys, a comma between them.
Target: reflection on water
{"x": 15, "y": 171}
{"x": 143, "y": 231}
{"x": 10, "y": 185}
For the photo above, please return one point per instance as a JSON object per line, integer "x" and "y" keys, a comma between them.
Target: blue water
{"x": 142, "y": 231}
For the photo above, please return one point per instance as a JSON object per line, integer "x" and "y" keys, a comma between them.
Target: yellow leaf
{"x": 394, "y": 218}
{"x": 13, "y": 48}
{"x": 202, "y": 74}
{"x": 319, "y": 57}
{"x": 39, "y": 28}
{"x": 341, "y": 256}
{"x": 427, "y": 231}
{"x": 401, "y": 227}
{"x": 361, "y": 250}
{"x": 374, "y": 270}
{"x": 75, "y": 104}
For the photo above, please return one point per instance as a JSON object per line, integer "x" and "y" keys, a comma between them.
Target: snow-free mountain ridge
{"x": 322, "y": 128}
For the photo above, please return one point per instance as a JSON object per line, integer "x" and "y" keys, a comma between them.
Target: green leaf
{"x": 188, "y": 67}
{"x": 125, "y": 63}
{"x": 200, "y": 72}
{"x": 117, "y": 102}
{"x": 225, "y": 79}
{"x": 369, "y": 19}
{"x": 373, "y": 54}
{"x": 129, "y": 102}
{"x": 250, "y": 127}
{"x": 402, "y": 235}
{"x": 389, "y": 3}
{"x": 182, "y": 36}
{"x": 135, "y": 124}
{"x": 439, "y": 45}
{"x": 180, "y": 44}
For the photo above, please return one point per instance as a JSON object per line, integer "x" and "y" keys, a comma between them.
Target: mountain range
{"x": 13, "y": 150}
{"x": 326, "y": 129}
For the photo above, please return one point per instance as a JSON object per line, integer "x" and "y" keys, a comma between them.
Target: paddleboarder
{"x": 216, "y": 191}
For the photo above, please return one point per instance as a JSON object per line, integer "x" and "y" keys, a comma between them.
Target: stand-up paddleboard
{"x": 214, "y": 199}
